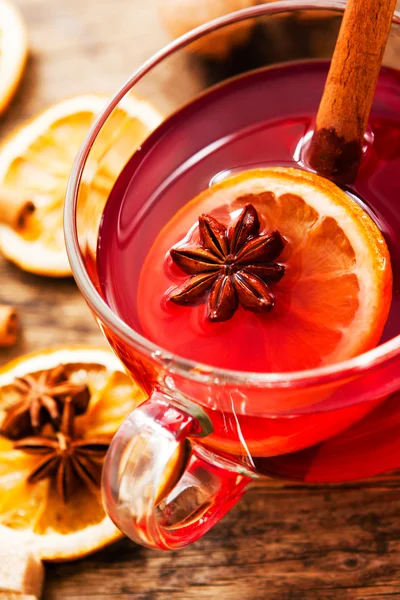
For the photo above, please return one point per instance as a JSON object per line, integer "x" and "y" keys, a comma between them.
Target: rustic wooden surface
{"x": 282, "y": 541}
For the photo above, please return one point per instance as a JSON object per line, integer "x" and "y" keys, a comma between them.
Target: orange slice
{"x": 36, "y": 161}
{"x": 331, "y": 304}
{"x": 34, "y": 515}
{"x": 13, "y": 51}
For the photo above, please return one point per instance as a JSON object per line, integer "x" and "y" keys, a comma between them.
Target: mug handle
{"x": 160, "y": 488}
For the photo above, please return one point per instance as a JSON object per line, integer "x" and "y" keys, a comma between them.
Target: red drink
{"x": 254, "y": 121}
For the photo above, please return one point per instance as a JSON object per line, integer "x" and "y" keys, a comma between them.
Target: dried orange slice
{"x": 13, "y": 51}
{"x": 35, "y": 514}
{"x": 36, "y": 161}
{"x": 331, "y": 304}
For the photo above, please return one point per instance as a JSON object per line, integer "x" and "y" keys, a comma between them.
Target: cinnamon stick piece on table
{"x": 336, "y": 147}
{"x": 8, "y": 326}
{"x": 14, "y": 208}
{"x": 21, "y": 570}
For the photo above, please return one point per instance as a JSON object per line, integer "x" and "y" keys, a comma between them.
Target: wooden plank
{"x": 277, "y": 543}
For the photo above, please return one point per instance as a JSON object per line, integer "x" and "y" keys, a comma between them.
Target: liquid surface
{"x": 256, "y": 120}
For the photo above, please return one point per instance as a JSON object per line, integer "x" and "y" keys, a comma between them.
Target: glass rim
{"x": 190, "y": 369}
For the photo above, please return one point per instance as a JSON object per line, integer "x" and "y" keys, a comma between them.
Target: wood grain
{"x": 282, "y": 542}
{"x": 279, "y": 543}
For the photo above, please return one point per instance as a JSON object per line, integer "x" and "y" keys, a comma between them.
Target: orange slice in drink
{"x": 33, "y": 514}
{"x": 331, "y": 304}
{"x": 35, "y": 162}
{"x": 13, "y": 51}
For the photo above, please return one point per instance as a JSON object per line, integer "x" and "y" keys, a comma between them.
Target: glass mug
{"x": 185, "y": 456}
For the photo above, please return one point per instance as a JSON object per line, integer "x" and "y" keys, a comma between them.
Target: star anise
{"x": 65, "y": 458}
{"x": 42, "y": 401}
{"x": 234, "y": 265}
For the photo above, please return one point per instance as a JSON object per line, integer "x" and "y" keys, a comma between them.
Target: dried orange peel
{"x": 34, "y": 515}
{"x": 35, "y": 163}
{"x": 13, "y": 51}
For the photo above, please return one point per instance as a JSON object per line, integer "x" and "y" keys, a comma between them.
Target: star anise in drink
{"x": 70, "y": 461}
{"x": 41, "y": 401}
{"x": 230, "y": 267}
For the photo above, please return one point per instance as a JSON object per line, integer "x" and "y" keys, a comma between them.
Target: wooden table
{"x": 281, "y": 541}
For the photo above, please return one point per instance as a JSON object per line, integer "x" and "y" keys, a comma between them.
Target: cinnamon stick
{"x": 14, "y": 208}
{"x": 21, "y": 570}
{"x": 336, "y": 147}
{"x": 8, "y": 326}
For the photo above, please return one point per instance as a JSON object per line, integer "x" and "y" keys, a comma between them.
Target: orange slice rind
{"x": 13, "y": 51}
